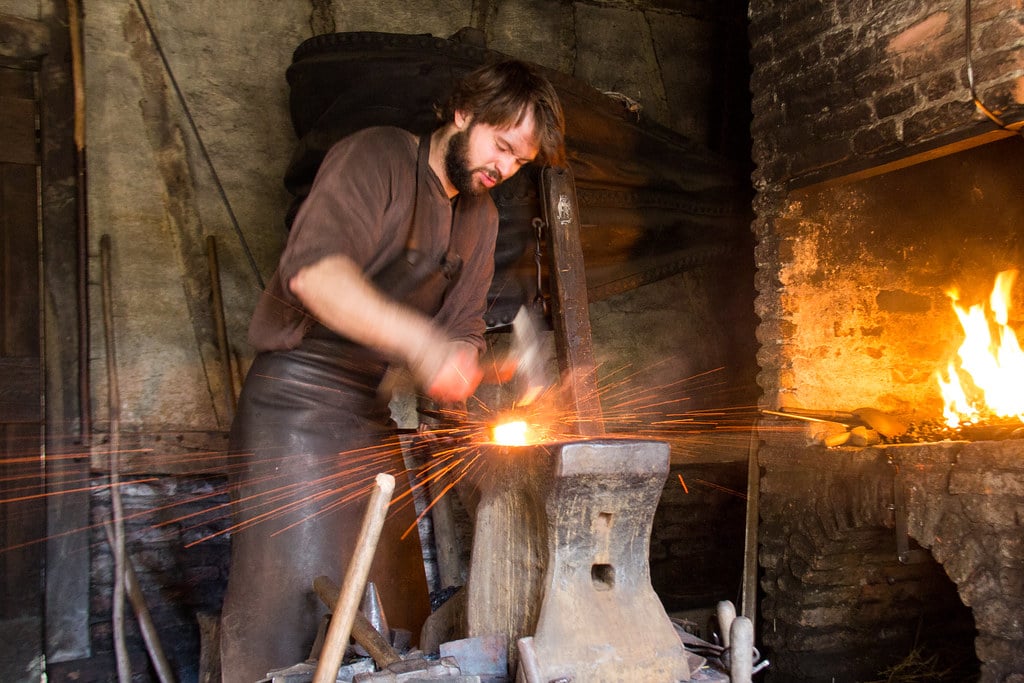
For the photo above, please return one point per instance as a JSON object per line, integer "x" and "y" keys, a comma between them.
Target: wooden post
{"x": 570, "y": 314}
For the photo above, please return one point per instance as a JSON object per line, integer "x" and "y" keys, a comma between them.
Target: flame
{"x": 515, "y": 433}
{"x": 986, "y": 379}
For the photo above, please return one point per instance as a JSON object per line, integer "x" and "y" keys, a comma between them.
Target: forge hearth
{"x": 881, "y": 182}
{"x": 857, "y": 314}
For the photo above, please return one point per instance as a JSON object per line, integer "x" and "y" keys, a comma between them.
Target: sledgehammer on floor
{"x": 355, "y": 581}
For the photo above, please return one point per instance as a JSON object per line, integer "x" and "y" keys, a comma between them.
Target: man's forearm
{"x": 336, "y": 292}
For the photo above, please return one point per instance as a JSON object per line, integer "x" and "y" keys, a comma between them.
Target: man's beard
{"x": 456, "y": 165}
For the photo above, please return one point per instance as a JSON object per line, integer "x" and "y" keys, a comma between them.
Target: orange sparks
{"x": 673, "y": 411}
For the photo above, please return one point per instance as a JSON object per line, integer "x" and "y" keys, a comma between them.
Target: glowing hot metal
{"x": 515, "y": 433}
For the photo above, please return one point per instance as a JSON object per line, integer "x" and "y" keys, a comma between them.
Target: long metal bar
{"x": 124, "y": 671}
{"x": 748, "y": 604}
{"x": 230, "y": 401}
{"x": 82, "y": 221}
{"x": 67, "y": 389}
{"x": 150, "y": 636}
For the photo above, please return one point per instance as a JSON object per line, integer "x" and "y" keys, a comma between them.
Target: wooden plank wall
{"x": 39, "y": 161}
{"x": 22, "y": 516}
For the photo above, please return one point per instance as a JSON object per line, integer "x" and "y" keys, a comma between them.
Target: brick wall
{"x": 836, "y": 82}
{"x": 163, "y": 516}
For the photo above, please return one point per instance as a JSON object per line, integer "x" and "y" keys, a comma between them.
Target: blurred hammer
{"x": 531, "y": 376}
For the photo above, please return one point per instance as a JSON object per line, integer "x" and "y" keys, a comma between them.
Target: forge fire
{"x": 984, "y": 381}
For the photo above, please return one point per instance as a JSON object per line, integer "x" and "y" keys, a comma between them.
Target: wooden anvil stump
{"x": 560, "y": 553}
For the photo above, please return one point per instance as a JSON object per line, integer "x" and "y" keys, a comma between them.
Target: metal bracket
{"x": 904, "y": 553}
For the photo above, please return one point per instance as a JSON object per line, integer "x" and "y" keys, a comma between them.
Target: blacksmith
{"x": 388, "y": 262}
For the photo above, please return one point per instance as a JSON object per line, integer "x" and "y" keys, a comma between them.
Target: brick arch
{"x": 965, "y": 503}
{"x": 837, "y": 602}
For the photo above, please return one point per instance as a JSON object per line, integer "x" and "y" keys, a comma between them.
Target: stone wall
{"x": 178, "y": 549}
{"x": 189, "y": 136}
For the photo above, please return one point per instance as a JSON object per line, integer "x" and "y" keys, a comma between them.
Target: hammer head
{"x": 531, "y": 378}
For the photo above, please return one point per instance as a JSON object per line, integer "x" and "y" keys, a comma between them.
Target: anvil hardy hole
{"x": 603, "y": 576}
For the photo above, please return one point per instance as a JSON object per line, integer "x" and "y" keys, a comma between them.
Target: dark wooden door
{"x": 22, "y": 511}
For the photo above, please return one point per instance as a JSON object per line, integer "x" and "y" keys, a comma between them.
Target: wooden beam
{"x": 67, "y": 581}
{"x": 570, "y": 313}
{"x": 979, "y": 134}
{"x": 193, "y": 453}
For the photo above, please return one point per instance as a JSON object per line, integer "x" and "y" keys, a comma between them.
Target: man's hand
{"x": 450, "y": 373}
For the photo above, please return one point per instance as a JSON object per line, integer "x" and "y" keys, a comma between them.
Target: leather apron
{"x": 311, "y": 432}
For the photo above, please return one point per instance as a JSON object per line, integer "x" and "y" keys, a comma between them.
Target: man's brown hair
{"x": 502, "y": 93}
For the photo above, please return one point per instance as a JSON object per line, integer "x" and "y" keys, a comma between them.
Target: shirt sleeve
{"x": 355, "y": 208}
{"x": 347, "y": 210}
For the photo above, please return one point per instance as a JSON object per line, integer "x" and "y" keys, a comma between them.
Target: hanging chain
{"x": 539, "y": 301}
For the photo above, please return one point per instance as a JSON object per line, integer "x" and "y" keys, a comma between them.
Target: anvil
{"x": 560, "y": 553}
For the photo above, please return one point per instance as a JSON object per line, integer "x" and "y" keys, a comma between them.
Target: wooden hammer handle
{"x": 355, "y": 581}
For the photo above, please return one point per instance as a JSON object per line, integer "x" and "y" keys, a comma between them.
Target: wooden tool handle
{"x": 355, "y": 581}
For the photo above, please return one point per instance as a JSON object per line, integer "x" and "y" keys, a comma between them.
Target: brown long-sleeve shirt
{"x": 361, "y": 205}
